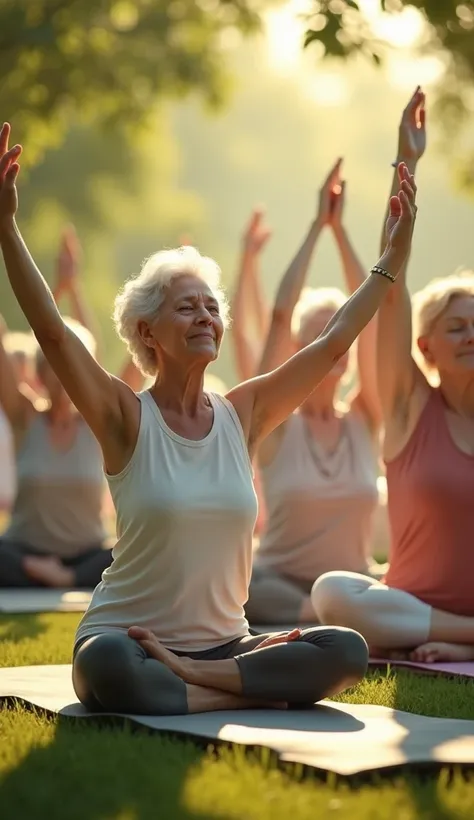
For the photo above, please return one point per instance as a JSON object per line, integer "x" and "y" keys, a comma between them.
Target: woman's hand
{"x": 256, "y": 233}
{"x": 9, "y": 169}
{"x": 400, "y": 222}
{"x": 331, "y": 186}
{"x": 337, "y": 204}
{"x": 412, "y": 129}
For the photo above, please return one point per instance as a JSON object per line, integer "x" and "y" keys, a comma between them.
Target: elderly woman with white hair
{"x": 165, "y": 632}
{"x": 319, "y": 468}
{"x": 425, "y": 607}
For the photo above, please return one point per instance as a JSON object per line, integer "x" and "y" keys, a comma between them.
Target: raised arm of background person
{"x": 278, "y": 344}
{"x": 398, "y": 377}
{"x": 266, "y": 401}
{"x": 249, "y": 309}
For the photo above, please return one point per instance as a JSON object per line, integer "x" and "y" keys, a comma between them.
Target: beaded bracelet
{"x": 383, "y": 272}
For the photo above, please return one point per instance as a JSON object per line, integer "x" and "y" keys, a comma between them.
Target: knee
{"x": 104, "y": 670}
{"x": 352, "y": 656}
{"x": 332, "y": 600}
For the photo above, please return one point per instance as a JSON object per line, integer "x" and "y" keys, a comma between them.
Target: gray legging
{"x": 113, "y": 673}
{"x": 88, "y": 565}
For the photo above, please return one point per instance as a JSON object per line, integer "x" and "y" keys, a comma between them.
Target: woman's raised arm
{"x": 397, "y": 372}
{"x": 97, "y": 395}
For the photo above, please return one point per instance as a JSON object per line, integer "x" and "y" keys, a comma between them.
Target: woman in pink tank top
{"x": 319, "y": 468}
{"x": 426, "y": 604}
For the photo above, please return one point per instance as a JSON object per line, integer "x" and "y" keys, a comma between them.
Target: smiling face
{"x": 449, "y": 346}
{"x": 189, "y": 327}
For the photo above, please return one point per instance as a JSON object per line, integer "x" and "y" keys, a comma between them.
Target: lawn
{"x": 56, "y": 770}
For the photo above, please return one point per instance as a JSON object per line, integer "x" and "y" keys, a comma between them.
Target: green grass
{"x": 54, "y": 769}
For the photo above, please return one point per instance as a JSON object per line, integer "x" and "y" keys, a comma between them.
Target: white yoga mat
{"x": 345, "y": 739}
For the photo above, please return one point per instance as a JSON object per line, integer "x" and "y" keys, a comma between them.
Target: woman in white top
{"x": 166, "y": 631}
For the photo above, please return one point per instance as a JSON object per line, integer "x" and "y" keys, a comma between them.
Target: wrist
{"x": 410, "y": 162}
{"x": 7, "y": 227}
{"x": 391, "y": 261}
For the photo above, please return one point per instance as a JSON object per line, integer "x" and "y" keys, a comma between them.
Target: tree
{"x": 109, "y": 60}
{"x": 343, "y": 29}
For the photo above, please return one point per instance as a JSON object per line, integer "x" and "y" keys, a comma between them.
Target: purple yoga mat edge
{"x": 465, "y": 669}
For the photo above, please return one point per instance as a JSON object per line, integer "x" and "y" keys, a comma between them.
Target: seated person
{"x": 425, "y": 605}
{"x": 319, "y": 468}
{"x": 165, "y": 632}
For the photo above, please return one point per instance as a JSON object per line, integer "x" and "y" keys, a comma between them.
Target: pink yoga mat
{"x": 466, "y": 669}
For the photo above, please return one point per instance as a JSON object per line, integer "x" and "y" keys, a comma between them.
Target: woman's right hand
{"x": 9, "y": 169}
{"x": 412, "y": 129}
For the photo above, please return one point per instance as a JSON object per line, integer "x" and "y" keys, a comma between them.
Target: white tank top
{"x": 319, "y": 506}
{"x": 185, "y": 517}
{"x": 7, "y": 463}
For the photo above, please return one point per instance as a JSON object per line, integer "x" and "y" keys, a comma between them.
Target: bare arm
{"x": 249, "y": 310}
{"x": 278, "y": 344}
{"x": 397, "y": 373}
{"x": 14, "y": 403}
{"x": 354, "y": 274}
{"x": 68, "y": 281}
{"x": 265, "y": 402}
{"x": 94, "y": 391}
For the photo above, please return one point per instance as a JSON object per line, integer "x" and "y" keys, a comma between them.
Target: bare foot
{"x": 435, "y": 652}
{"x": 389, "y": 654}
{"x": 48, "y": 571}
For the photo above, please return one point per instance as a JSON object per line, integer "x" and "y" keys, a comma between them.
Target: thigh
{"x": 112, "y": 672}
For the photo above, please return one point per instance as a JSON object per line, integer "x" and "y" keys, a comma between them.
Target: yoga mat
{"x": 341, "y": 738}
{"x": 15, "y": 601}
{"x": 466, "y": 668}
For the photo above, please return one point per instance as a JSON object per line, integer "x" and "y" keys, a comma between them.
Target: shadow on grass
{"x": 107, "y": 771}
{"x": 16, "y": 628}
{"x": 438, "y": 697}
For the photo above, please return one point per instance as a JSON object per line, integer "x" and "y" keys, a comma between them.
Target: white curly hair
{"x": 141, "y": 296}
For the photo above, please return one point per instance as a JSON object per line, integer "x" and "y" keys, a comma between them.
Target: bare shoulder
{"x": 399, "y": 427}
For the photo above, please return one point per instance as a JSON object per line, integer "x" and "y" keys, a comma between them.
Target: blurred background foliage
{"x": 143, "y": 121}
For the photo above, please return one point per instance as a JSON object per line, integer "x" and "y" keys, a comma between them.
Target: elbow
{"x": 337, "y": 344}
{"x": 281, "y": 316}
{"x": 51, "y": 334}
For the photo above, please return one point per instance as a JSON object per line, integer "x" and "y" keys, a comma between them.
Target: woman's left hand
{"x": 401, "y": 221}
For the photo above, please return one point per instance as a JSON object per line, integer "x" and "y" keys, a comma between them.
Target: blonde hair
{"x": 311, "y": 301}
{"x": 431, "y": 302}
{"x": 142, "y": 295}
{"x": 21, "y": 344}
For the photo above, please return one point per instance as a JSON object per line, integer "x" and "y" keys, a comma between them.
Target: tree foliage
{"x": 342, "y": 29}
{"x": 109, "y": 60}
